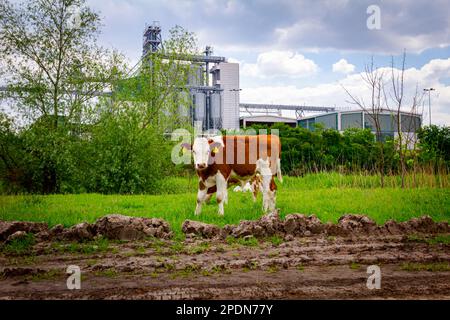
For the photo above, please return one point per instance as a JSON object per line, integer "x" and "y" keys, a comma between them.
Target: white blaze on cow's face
{"x": 201, "y": 152}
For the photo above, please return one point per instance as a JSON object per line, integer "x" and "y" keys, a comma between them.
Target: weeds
{"x": 439, "y": 239}
{"x": 109, "y": 273}
{"x": 355, "y": 266}
{"x": 177, "y": 247}
{"x": 220, "y": 249}
{"x": 273, "y": 269}
{"x": 20, "y": 246}
{"x": 433, "y": 267}
{"x": 187, "y": 271}
{"x": 247, "y": 241}
{"x": 276, "y": 240}
{"x": 140, "y": 250}
{"x": 48, "y": 275}
{"x": 220, "y": 269}
{"x": 198, "y": 249}
{"x": 99, "y": 245}
{"x": 205, "y": 273}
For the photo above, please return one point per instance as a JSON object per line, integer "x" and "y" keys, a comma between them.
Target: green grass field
{"x": 327, "y": 196}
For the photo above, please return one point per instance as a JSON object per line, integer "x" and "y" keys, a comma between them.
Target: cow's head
{"x": 204, "y": 151}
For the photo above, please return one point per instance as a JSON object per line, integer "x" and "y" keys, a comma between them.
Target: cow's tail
{"x": 279, "y": 176}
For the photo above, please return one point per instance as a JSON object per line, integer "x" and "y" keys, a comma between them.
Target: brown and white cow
{"x": 219, "y": 160}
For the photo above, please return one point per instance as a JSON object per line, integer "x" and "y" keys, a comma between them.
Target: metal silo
{"x": 200, "y": 107}
{"x": 216, "y": 110}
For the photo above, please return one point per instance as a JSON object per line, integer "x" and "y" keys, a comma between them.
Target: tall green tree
{"x": 54, "y": 70}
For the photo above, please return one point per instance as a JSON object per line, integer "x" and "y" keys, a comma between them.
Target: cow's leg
{"x": 256, "y": 186}
{"x": 266, "y": 200}
{"x": 263, "y": 167}
{"x": 255, "y": 190}
{"x": 222, "y": 195}
{"x": 208, "y": 198}
{"x": 225, "y": 198}
{"x": 254, "y": 194}
{"x": 272, "y": 195}
{"x": 202, "y": 196}
{"x": 210, "y": 193}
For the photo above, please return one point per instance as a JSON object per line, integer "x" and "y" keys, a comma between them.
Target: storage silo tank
{"x": 216, "y": 110}
{"x": 199, "y": 75}
{"x": 200, "y": 106}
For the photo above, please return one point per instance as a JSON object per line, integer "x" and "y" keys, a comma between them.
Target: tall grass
{"x": 176, "y": 185}
{"x": 367, "y": 181}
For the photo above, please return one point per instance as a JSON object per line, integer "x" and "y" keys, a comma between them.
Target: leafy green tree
{"x": 55, "y": 68}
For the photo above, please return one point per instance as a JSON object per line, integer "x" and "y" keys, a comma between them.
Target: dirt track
{"x": 305, "y": 268}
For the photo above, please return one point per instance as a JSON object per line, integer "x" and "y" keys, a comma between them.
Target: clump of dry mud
{"x": 114, "y": 227}
{"x": 119, "y": 227}
{"x": 299, "y": 225}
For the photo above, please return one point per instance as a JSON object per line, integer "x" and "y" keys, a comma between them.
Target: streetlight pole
{"x": 429, "y": 101}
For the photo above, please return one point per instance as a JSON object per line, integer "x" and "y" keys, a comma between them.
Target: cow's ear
{"x": 214, "y": 147}
{"x": 186, "y": 146}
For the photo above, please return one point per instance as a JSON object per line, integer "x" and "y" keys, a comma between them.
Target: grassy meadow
{"x": 327, "y": 195}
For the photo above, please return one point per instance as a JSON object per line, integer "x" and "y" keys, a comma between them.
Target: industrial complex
{"x": 215, "y": 95}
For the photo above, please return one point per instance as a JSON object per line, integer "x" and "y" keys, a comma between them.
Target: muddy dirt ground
{"x": 316, "y": 267}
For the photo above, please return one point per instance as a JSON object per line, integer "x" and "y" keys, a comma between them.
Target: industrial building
{"x": 342, "y": 120}
{"x": 269, "y": 114}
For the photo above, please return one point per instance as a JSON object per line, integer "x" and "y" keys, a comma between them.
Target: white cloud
{"x": 280, "y": 64}
{"x": 342, "y": 26}
{"x": 343, "y": 66}
{"x": 332, "y": 94}
{"x": 297, "y": 25}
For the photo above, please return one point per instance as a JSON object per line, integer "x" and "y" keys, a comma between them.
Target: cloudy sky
{"x": 302, "y": 52}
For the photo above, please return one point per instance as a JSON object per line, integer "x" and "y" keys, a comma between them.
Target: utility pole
{"x": 429, "y": 101}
